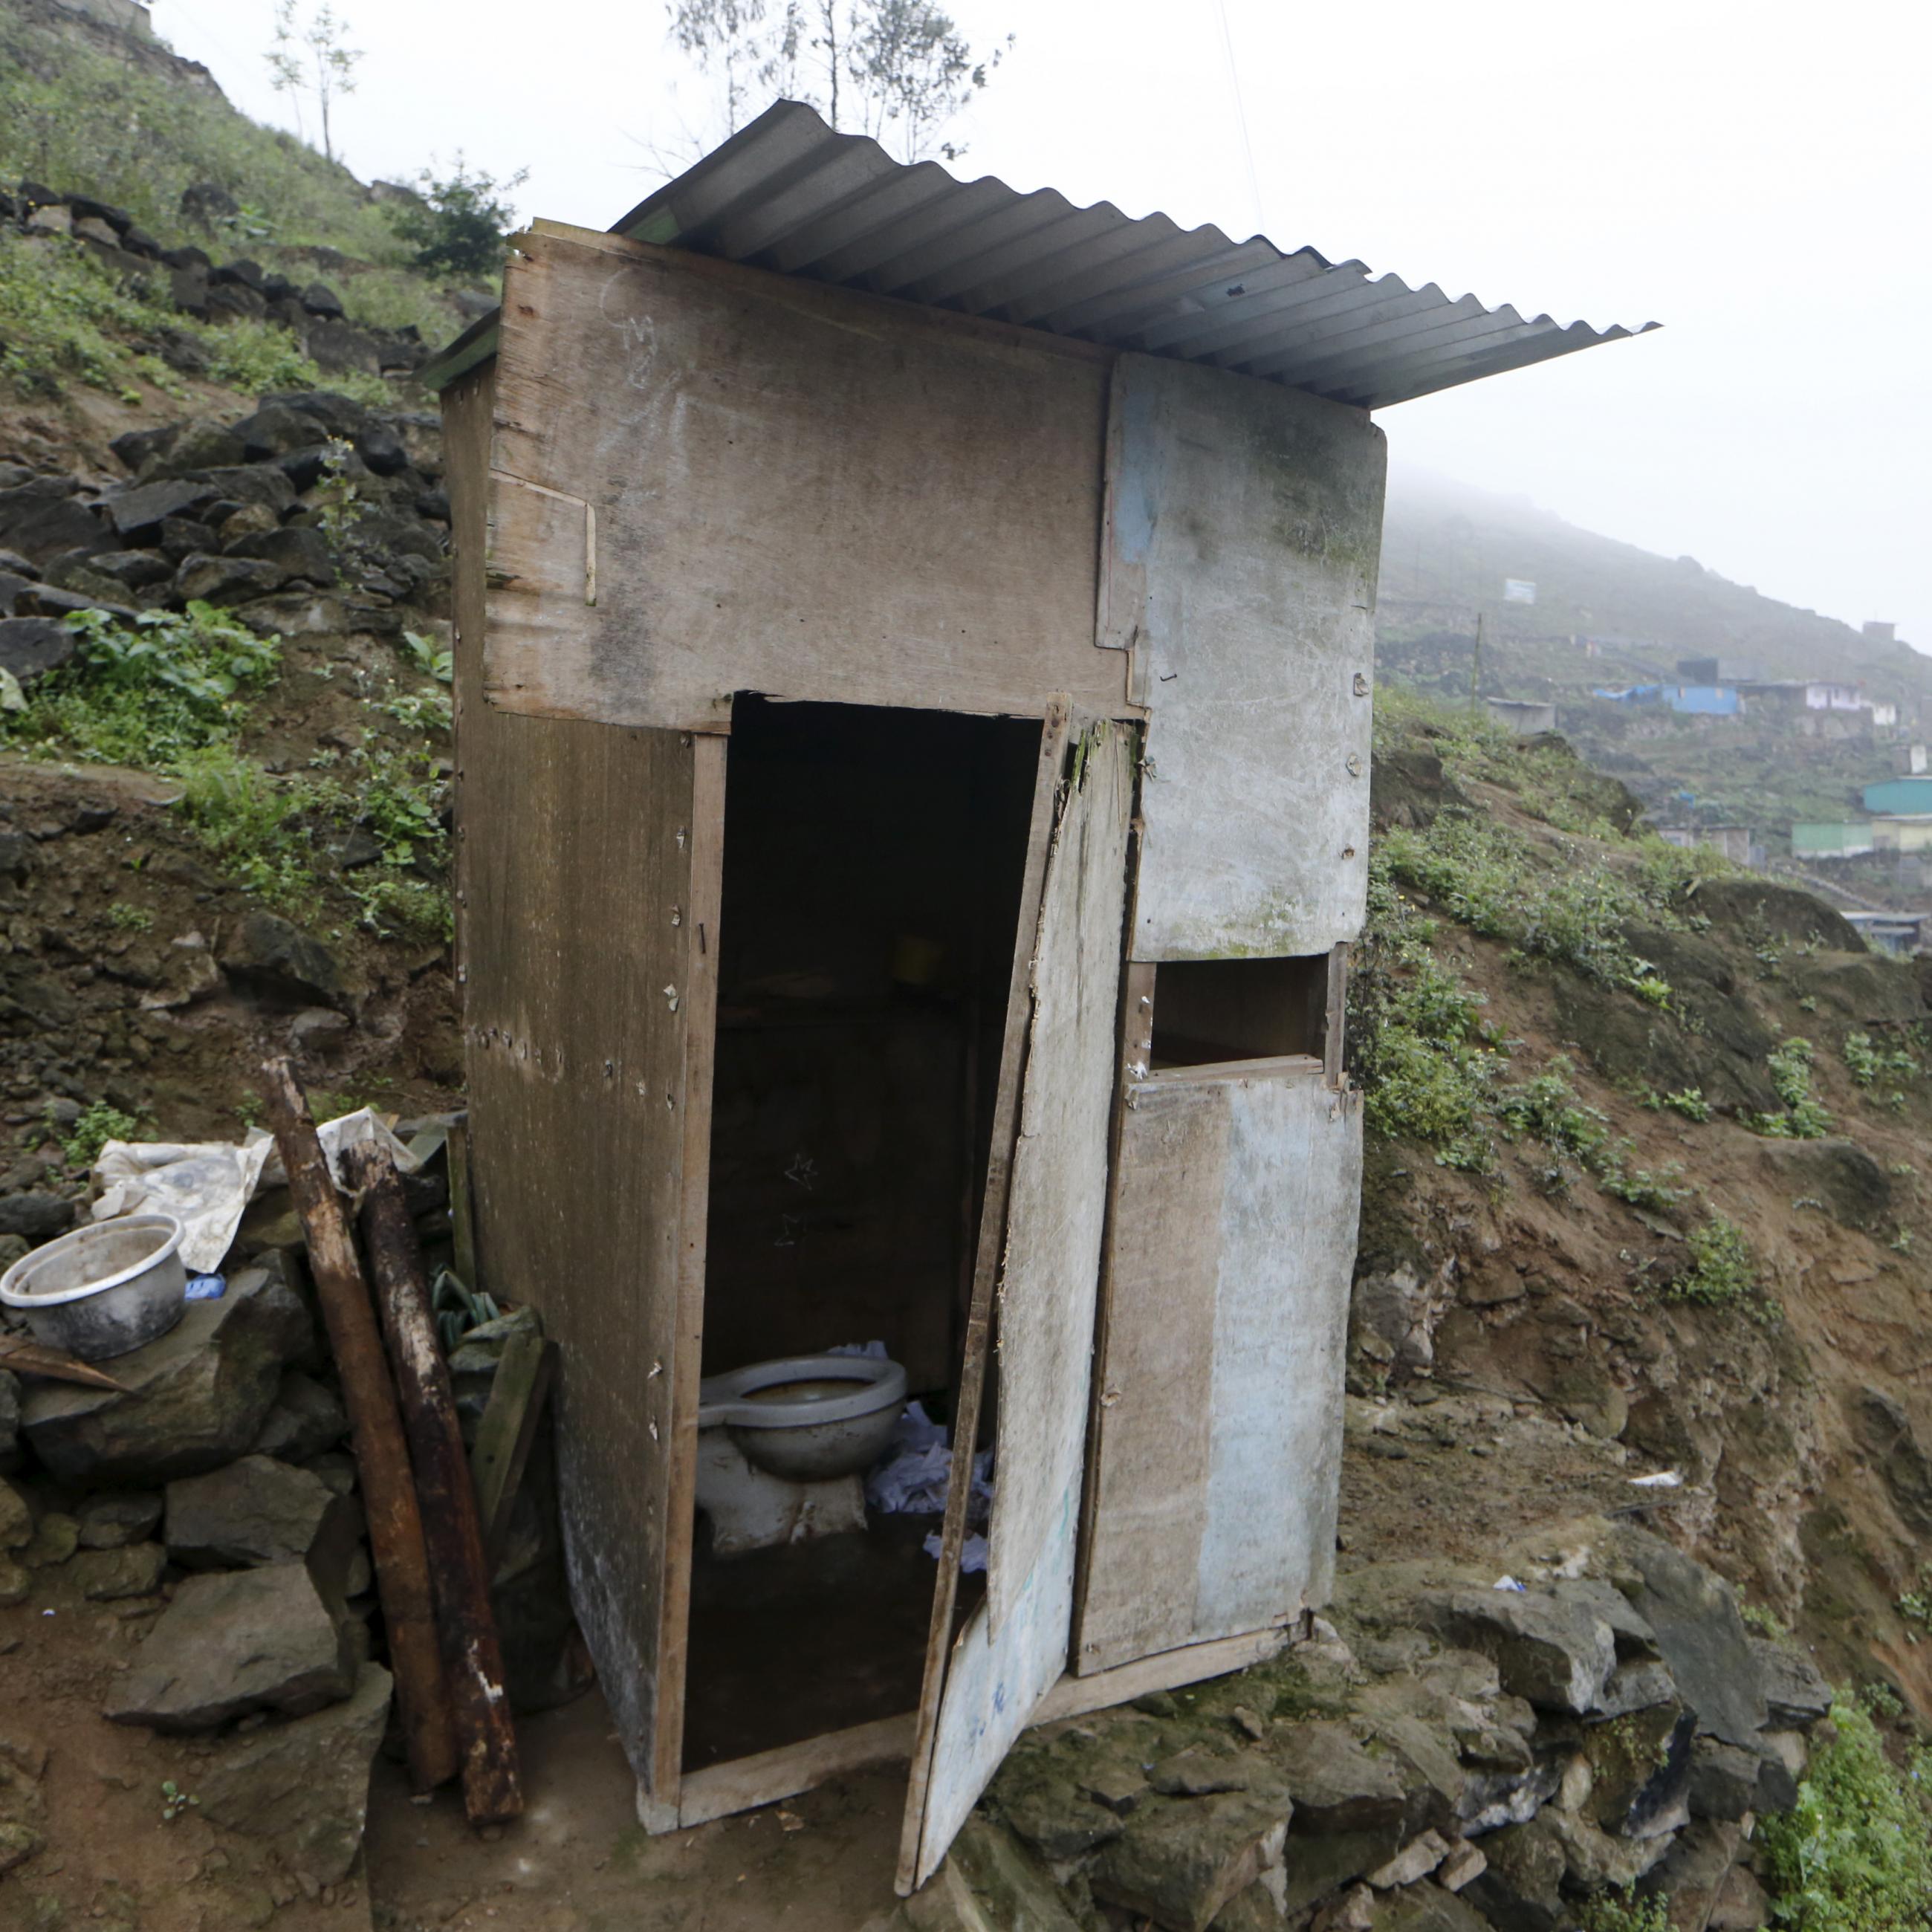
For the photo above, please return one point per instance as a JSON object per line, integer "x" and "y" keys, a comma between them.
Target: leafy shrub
{"x": 1856, "y": 1854}
{"x": 1805, "y": 1118}
{"x": 1624, "y": 1911}
{"x": 142, "y": 694}
{"x": 458, "y": 227}
{"x": 1764, "y": 1621}
{"x": 1722, "y": 1274}
{"x": 99, "y": 1124}
{"x": 1689, "y": 1101}
{"x": 1866, "y": 1061}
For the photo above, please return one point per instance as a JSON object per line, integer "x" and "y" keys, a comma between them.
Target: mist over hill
{"x": 1448, "y": 550}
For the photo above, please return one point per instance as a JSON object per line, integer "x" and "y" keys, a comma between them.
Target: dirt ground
{"x": 579, "y": 1862}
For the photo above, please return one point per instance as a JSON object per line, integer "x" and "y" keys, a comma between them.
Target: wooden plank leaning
{"x": 508, "y": 1432}
{"x": 473, "y": 1656}
{"x": 382, "y": 1456}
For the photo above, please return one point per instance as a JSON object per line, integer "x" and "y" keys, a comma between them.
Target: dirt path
{"x": 578, "y": 1861}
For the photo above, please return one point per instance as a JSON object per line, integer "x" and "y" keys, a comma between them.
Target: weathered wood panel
{"x": 709, "y": 478}
{"x": 977, "y": 1343}
{"x": 1013, "y": 1648}
{"x": 1244, "y": 528}
{"x": 1219, "y": 1439}
{"x": 587, "y": 1053}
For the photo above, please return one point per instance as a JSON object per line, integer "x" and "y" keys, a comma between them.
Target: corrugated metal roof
{"x": 786, "y": 193}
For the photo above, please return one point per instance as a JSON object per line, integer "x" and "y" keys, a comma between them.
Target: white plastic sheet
{"x": 204, "y": 1184}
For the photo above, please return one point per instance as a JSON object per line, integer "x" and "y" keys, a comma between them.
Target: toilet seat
{"x": 725, "y": 1399}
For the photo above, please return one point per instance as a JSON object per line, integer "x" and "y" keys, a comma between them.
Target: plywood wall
{"x": 708, "y": 478}
{"x": 587, "y": 874}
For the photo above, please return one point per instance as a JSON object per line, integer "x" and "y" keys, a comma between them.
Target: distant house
{"x": 1525, "y": 717}
{"x": 1900, "y": 932}
{"x": 1899, "y": 798}
{"x": 1701, "y": 700}
{"x": 1698, "y": 671}
{"x": 1849, "y": 841}
{"x": 1734, "y": 841}
{"x": 1902, "y": 835}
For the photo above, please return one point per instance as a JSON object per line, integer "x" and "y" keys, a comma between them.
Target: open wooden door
{"x": 1040, "y": 1238}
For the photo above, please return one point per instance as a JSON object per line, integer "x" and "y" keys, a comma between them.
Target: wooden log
{"x": 381, "y": 1456}
{"x": 471, "y": 1655}
{"x": 507, "y": 1432}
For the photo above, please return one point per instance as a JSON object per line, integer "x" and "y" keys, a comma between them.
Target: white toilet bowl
{"x": 782, "y": 1446}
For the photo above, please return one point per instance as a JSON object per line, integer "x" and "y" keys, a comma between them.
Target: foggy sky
{"x": 1756, "y": 177}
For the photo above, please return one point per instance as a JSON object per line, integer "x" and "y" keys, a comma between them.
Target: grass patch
{"x": 65, "y": 317}
{"x": 1856, "y": 1854}
{"x": 1624, "y": 1911}
{"x": 1868, "y": 1061}
{"x": 1493, "y": 881}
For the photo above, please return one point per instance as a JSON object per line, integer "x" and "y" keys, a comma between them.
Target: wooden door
{"x": 1218, "y": 1431}
{"x": 982, "y": 1688}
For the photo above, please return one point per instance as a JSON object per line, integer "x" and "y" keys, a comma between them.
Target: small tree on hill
{"x": 897, "y": 70}
{"x": 459, "y": 227}
{"x": 313, "y": 59}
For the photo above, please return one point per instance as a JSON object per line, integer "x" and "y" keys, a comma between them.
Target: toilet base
{"x": 750, "y": 1509}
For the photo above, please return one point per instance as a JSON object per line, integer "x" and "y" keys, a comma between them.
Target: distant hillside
{"x": 89, "y": 106}
{"x": 1447, "y": 550}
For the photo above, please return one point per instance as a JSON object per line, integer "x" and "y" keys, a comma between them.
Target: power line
{"x": 1241, "y": 114}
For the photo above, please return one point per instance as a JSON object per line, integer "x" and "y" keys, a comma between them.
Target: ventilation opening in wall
{"x": 1206, "y": 1011}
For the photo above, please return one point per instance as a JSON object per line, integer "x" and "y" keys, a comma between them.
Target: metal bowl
{"x": 103, "y": 1289}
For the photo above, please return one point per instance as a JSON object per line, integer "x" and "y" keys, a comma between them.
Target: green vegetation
{"x": 1422, "y": 1047}
{"x": 1624, "y": 1911}
{"x": 1722, "y": 1273}
{"x": 63, "y": 317}
{"x": 99, "y": 1124}
{"x": 174, "y": 683}
{"x": 172, "y": 693}
{"x": 1489, "y": 879}
{"x": 459, "y": 227}
{"x": 1868, "y": 1062}
{"x": 1804, "y": 1118}
{"x": 1856, "y": 1854}
{"x": 1766, "y": 1621}
{"x": 126, "y": 918}
{"x": 1690, "y": 1102}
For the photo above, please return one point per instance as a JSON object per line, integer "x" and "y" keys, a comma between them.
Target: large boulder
{"x": 42, "y": 516}
{"x": 1556, "y": 1649}
{"x": 1700, "y": 1634}
{"x": 1751, "y": 910}
{"x": 234, "y": 1641}
{"x": 268, "y": 955}
{"x": 303, "y": 1784}
{"x": 1181, "y": 1860}
{"x": 29, "y": 646}
{"x": 1794, "y": 1688}
{"x": 254, "y": 1510}
{"x": 192, "y": 1400}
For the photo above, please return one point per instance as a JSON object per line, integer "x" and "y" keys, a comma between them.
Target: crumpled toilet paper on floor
{"x": 207, "y": 1185}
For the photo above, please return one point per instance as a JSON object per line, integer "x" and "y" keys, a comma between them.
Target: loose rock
{"x": 113, "y": 1520}
{"x": 304, "y": 1784}
{"x": 195, "y": 1398}
{"x": 236, "y": 1641}
{"x": 254, "y": 1510}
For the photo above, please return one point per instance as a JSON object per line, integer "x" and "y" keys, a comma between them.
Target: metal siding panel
{"x": 1243, "y": 526}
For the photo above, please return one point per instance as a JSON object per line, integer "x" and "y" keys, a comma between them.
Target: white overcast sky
{"x": 1756, "y": 177}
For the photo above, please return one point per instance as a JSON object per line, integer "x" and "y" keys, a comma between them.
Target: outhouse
{"x": 913, "y": 670}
